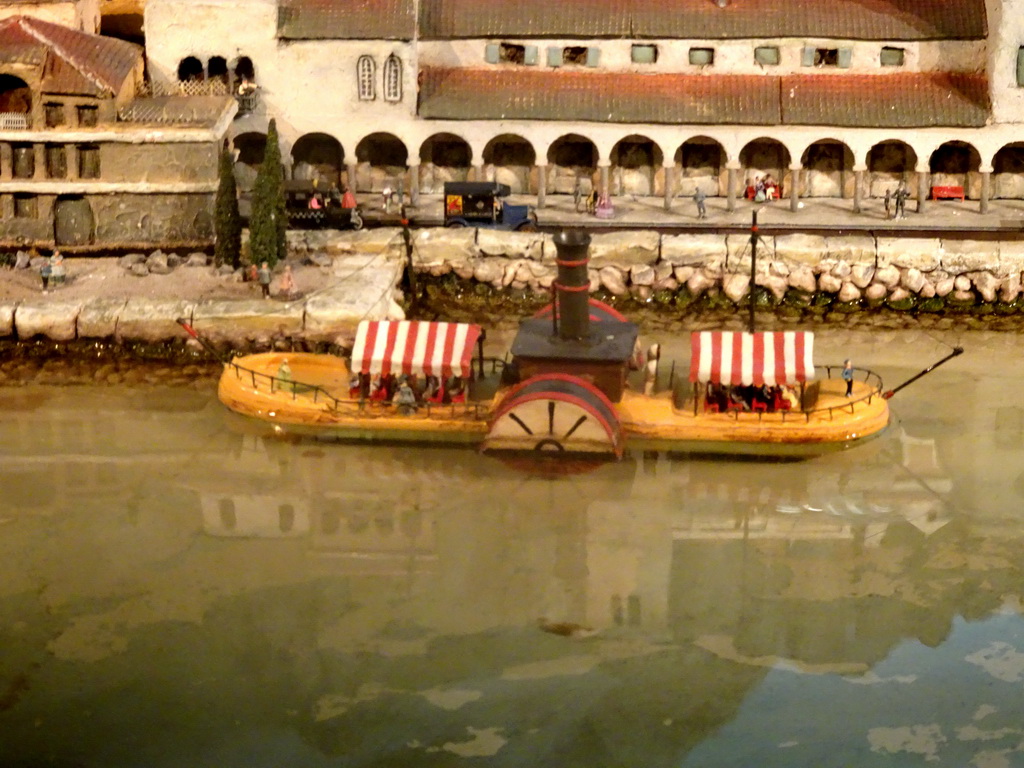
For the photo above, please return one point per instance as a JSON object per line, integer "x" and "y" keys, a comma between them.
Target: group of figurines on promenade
{"x": 407, "y": 393}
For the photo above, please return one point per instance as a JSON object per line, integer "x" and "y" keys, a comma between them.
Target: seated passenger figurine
{"x": 405, "y": 398}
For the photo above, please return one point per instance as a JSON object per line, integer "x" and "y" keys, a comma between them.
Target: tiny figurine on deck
{"x": 848, "y": 376}
{"x": 405, "y": 398}
{"x": 651, "y": 368}
{"x": 284, "y": 375}
{"x": 263, "y": 275}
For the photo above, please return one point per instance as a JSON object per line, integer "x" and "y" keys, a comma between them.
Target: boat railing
{"x": 873, "y": 380}
{"x": 469, "y": 409}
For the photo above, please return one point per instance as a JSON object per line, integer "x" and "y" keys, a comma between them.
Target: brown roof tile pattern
{"x": 882, "y": 101}
{"x": 697, "y": 19}
{"x": 602, "y": 97}
{"x": 911, "y": 100}
{"x": 74, "y": 62}
{"x": 346, "y": 19}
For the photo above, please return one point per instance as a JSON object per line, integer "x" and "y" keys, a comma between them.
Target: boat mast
{"x": 956, "y": 352}
{"x": 753, "y": 269}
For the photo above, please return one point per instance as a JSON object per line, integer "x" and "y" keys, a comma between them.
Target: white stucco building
{"x": 648, "y": 97}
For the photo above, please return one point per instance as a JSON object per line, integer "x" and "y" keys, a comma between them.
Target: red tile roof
{"x": 346, "y": 19}
{"x": 907, "y": 100}
{"x": 74, "y": 62}
{"x": 884, "y": 101}
{"x": 697, "y": 19}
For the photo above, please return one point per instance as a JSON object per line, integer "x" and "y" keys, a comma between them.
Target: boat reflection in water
{"x": 363, "y": 605}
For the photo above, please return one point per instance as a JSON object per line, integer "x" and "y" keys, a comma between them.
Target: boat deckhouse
{"x": 657, "y": 98}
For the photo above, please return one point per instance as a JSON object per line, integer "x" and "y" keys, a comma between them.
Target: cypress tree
{"x": 227, "y": 221}
{"x": 268, "y": 222}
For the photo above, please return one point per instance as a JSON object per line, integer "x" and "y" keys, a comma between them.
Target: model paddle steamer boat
{"x": 566, "y": 387}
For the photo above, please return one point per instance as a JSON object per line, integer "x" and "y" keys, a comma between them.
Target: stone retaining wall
{"x": 855, "y": 271}
{"x": 898, "y": 272}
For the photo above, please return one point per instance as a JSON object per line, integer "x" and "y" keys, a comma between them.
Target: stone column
{"x": 542, "y": 185}
{"x": 794, "y": 192}
{"x": 414, "y": 185}
{"x": 40, "y": 153}
{"x": 71, "y": 158}
{"x": 922, "y": 189}
{"x": 6, "y": 161}
{"x": 986, "y": 189}
{"x": 670, "y": 177}
{"x": 605, "y": 171}
{"x": 858, "y": 189}
{"x": 730, "y": 188}
{"x": 350, "y": 170}
{"x": 478, "y": 173}
{"x": 6, "y": 207}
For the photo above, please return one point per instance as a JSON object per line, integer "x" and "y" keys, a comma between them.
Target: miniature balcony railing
{"x": 14, "y": 121}
{"x": 247, "y": 103}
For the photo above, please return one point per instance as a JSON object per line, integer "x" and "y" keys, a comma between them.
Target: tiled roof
{"x": 346, "y": 19}
{"x": 886, "y": 101}
{"x": 897, "y": 101}
{"x": 74, "y": 62}
{"x": 698, "y": 19}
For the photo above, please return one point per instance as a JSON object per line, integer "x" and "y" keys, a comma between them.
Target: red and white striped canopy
{"x": 413, "y": 348}
{"x": 725, "y": 357}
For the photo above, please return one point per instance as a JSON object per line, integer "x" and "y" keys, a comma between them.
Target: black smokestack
{"x": 572, "y": 285}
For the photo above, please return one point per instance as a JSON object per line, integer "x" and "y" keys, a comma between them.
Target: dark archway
{"x": 700, "y": 162}
{"x": 1008, "y": 172}
{"x": 572, "y": 157}
{"x": 511, "y": 159}
{"x": 217, "y": 69}
{"x": 889, "y": 163}
{"x": 444, "y": 157}
{"x": 190, "y": 69}
{"x": 15, "y": 103}
{"x": 73, "y": 221}
{"x": 382, "y": 160}
{"x": 828, "y": 170}
{"x": 318, "y": 156}
{"x": 956, "y": 164}
{"x": 249, "y": 148}
{"x": 636, "y": 166}
{"x": 244, "y": 70}
{"x": 765, "y": 157}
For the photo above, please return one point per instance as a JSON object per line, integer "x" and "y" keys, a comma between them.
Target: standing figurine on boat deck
{"x": 848, "y": 376}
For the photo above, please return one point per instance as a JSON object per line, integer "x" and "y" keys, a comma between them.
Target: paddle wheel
{"x": 572, "y": 370}
{"x": 555, "y": 412}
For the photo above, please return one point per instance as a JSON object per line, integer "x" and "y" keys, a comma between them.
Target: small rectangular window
{"x": 512, "y": 54}
{"x": 56, "y": 162}
{"x": 554, "y": 57}
{"x": 54, "y": 114}
{"x": 89, "y": 162}
{"x": 644, "y": 54}
{"x": 702, "y": 57}
{"x": 24, "y": 161}
{"x": 25, "y": 206}
{"x": 767, "y": 55}
{"x": 826, "y": 57}
{"x": 88, "y": 116}
{"x": 1020, "y": 66}
{"x": 891, "y": 57}
{"x": 575, "y": 54}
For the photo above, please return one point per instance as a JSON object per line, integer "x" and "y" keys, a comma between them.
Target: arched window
{"x": 190, "y": 69}
{"x": 366, "y": 69}
{"x": 393, "y": 79}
